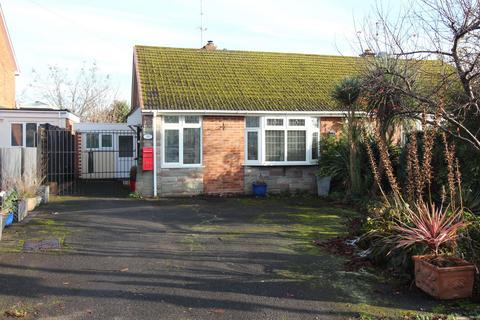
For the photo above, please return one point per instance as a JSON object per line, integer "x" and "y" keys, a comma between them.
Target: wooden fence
{"x": 18, "y": 167}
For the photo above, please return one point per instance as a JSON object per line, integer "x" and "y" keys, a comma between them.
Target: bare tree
{"x": 447, "y": 31}
{"x": 86, "y": 93}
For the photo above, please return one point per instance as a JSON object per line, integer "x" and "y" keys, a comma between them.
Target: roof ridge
{"x": 247, "y": 51}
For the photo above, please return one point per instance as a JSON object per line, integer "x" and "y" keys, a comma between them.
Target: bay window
{"x": 281, "y": 140}
{"x": 182, "y": 141}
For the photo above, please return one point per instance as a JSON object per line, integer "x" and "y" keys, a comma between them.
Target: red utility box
{"x": 147, "y": 154}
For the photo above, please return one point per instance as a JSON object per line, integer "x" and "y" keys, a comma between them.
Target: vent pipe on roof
{"x": 210, "y": 46}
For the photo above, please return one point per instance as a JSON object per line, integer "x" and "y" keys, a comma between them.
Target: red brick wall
{"x": 7, "y": 71}
{"x": 78, "y": 154}
{"x": 223, "y": 154}
{"x": 331, "y": 124}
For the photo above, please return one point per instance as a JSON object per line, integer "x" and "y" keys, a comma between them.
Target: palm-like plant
{"x": 347, "y": 93}
{"x": 431, "y": 225}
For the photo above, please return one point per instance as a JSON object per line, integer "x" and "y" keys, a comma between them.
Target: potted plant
{"x": 8, "y": 208}
{"x": 133, "y": 178}
{"x": 259, "y": 187}
{"x": 333, "y": 163}
{"x": 441, "y": 275}
{"x": 28, "y": 194}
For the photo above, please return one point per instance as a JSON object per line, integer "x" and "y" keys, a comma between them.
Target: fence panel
{"x": 10, "y": 167}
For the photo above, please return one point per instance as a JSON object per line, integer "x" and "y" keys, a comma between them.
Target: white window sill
{"x": 181, "y": 166}
{"x": 279, "y": 164}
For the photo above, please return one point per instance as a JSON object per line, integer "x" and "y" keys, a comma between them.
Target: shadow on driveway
{"x": 190, "y": 259}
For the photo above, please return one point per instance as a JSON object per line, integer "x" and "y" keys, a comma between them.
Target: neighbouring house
{"x": 8, "y": 66}
{"x": 19, "y": 126}
{"x": 105, "y": 150}
{"x": 214, "y": 121}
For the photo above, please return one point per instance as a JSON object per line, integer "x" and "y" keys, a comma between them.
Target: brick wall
{"x": 223, "y": 154}
{"x": 7, "y": 71}
{"x": 330, "y": 125}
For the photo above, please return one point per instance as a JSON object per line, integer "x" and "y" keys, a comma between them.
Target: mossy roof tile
{"x": 193, "y": 79}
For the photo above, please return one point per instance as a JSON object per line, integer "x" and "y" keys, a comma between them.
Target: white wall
{"x": 7, "y": 117}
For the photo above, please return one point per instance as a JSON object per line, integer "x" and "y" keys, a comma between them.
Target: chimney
{"x": 210, "y": 46}
{"x": 368, "y": 53}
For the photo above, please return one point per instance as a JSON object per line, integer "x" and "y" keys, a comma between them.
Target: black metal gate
{"x": 90, "y": 163}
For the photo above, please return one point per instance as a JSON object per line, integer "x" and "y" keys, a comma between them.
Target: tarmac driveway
{"x": 188, "y": 259}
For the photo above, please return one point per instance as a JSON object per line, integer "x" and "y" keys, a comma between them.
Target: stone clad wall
{"x": 282, "y": 178}
{"x": 180, "y": 182}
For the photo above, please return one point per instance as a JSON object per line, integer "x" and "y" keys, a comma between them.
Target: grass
{"x": 35, "y": 229}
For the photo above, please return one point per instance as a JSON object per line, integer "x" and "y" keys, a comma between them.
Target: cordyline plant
{"x": 431, "y": 225}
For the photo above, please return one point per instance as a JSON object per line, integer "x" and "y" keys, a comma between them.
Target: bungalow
{"x": 214, "y": 121}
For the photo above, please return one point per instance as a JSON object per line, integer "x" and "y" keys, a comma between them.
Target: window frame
{"x": 98, "y": 134}
{"x": 180, "y": 126}
{"x": 24, "y": 134}
{"x": 258, "y": 130}
{"x": 100, "y": 142}
{"x": 309, "y": 129}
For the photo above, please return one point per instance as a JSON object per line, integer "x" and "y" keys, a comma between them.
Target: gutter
{"x": 246, "y": 113}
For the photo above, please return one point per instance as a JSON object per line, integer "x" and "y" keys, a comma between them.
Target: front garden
{"x": 408, "y": 159}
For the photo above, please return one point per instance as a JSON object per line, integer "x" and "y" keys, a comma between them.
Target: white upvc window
{"x": 96, "y": 140}
{"x": 23, "y": 135}
{"x": 181, "y": 141}
{"x": 277, "y": 140}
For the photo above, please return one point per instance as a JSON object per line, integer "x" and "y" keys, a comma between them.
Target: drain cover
{"x": 32, "y": 245}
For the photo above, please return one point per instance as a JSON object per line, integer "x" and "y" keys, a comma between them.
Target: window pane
{"x": 252, "y": 145}
{"x": 192, "y": 119}
{"x": 315, "y": 122}
{"x": 275, "y": 122}
{"x": 171, "y": 119}
{"x": 17, "y": 134}
{"x": 106, "y": 140}
{"x": 253, "y": 122}
{"x": 315, "y": 146}
{"x": 92, "y": 140}
{"x": 171, "y": 145}
{"x": 274, "y": 145}
{"x": 191, "y": 145}
{"x": 296, "y": 145}
{"x": 296, "y": 122}
{"x": 31, "y": 134}
{"x": 125, "y": 146}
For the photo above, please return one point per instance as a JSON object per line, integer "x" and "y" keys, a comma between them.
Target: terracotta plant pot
{"x": 31, "y": 203}
{"x": 444, "y": 282}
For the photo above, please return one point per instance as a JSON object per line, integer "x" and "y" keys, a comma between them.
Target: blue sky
{"x": 68, "y": 33}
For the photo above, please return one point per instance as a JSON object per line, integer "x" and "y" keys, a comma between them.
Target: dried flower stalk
{"x": 450, "y": 160}
{"x": 411, "y": 155}
{"x": 387, "y": 164}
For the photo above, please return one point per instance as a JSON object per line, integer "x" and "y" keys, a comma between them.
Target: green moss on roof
{"x": 193, "y": 79}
